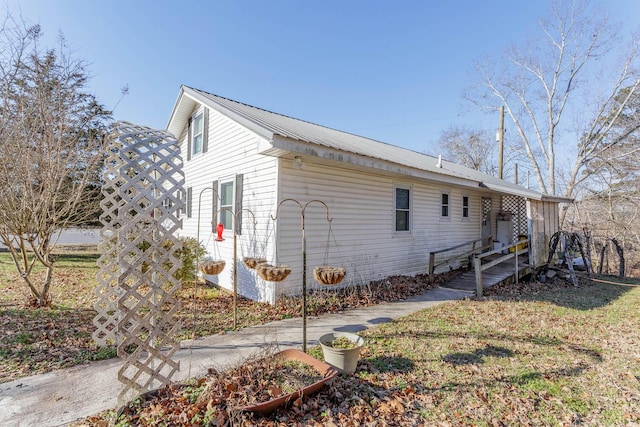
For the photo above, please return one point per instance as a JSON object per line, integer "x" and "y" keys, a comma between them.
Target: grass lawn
{"x": 530, "y": 354}
{"x": 526, "y": 355}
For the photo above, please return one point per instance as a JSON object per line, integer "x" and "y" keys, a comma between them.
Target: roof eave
{"x": 283, "y": 147}
{"x": 172, "y": 116}
{"x": 185, "y": 104}
{"x": 231, "y": 114}
{"x": 556, "y": 199}
{"x": 175, "y": 125}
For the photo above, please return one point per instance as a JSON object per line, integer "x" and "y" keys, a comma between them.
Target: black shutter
{"x": 205, "y": 130}
{"x": 214, "y": 206}
{"x": 238, "y": 206}
{"x": 189, "y": 139}
{"x": 189, "y": 200}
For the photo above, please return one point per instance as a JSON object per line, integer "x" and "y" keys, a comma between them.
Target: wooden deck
{"x": 500, "y": 273}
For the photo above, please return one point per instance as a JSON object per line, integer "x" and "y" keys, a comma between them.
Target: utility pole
{"x": 500, "y": 138}
{"x": 515, "y": 174}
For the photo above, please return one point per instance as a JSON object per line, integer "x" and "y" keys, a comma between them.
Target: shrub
{"x": 191, "y": 251}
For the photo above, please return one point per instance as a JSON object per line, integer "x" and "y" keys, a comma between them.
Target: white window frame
{"x": 467, "y": 207}
{"x": 409, "y": 210}
{"x": 447, "y": 205}
{"x": 226, "y": 210}
{"x": 197, "y": 148}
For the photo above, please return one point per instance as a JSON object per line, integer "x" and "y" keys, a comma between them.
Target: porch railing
{"x": 476, "y": 247}
{"x": 514, "y": 250}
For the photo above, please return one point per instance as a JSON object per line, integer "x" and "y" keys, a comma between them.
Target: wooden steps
{"x": 500, "y": 273}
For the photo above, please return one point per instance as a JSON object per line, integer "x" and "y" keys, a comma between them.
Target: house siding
{"x": 363, "y": 238}
{"x": 231, "y": 151}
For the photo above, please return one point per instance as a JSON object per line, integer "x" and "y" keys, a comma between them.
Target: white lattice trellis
{"x": 107, "y": 292}
{"x": 518, "y": 208}
{"x": 137, "y": 285}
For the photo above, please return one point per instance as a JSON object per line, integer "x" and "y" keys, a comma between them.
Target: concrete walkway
{"x": 67, "y": 395}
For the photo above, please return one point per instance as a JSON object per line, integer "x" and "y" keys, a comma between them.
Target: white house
{"x": 389, "y": 206}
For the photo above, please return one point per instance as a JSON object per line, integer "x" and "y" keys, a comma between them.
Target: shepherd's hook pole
{"x": 235, "y": 257}
{"x": 195, "y": 285}
{"x": 304, "y": 261}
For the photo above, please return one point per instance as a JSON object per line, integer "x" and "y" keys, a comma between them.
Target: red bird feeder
{"x": 219, "y": 230}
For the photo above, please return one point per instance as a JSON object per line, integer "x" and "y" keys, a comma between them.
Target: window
{"x": 402, "y": 209}
{"x": 465, "y": 206}
{"x": 445, "y": 205}
{"x": 197, "y": 135}
{"x": 226, "y": 204}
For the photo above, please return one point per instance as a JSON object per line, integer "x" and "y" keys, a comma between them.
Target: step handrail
{"x": 473, "y": 251}
{"x": 479, "y": 267}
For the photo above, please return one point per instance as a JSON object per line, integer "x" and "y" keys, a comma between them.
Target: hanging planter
{"x": 342, "y": 350}
{"x": 327, "y": 275}
{"x": 273, "y": 273}
{"x": 252, "y": 263}
{"x": 212, "y": 267}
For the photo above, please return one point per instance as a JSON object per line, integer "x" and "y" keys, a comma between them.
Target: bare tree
{"x": 473, "y": 148}
{"x": 476, "y": 149}
{"x": 50, "y": 143}
{"x": 609, "y": 204}
{"x": 561, "y": 91}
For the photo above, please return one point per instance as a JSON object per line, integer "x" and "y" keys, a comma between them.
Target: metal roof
{"x": 272, "y": 125}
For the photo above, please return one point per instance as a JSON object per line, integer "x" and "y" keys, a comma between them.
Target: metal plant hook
{"x": 235, "y": 256}
{"x": 282, "y": 202}
{"x": 217, "y": 196}
{"x": 235, "y": 215}
{"x": 304, "y": 258}
{"x": 303, "y": 208}
{"x": 326, "y": 208}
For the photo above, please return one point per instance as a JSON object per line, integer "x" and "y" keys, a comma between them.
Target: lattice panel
{"x": 486, "y": 207}
{"x": 518, "y": 208}
{"x": 107, "y": 292}
{"x": 136, "y": 296}
{"x": 486, "y": 210}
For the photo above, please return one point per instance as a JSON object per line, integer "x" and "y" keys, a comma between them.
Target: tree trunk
{"x": 40, "y": 297}
{"x": 564, "y": 241}
{"x": 45, "y": 295}
{"x": 587, "y": 243}
{"x": 621, "y": 255}
{"x": 601, "y": 263}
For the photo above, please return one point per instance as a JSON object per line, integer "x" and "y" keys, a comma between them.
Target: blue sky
{"x": 389, "y": 70}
